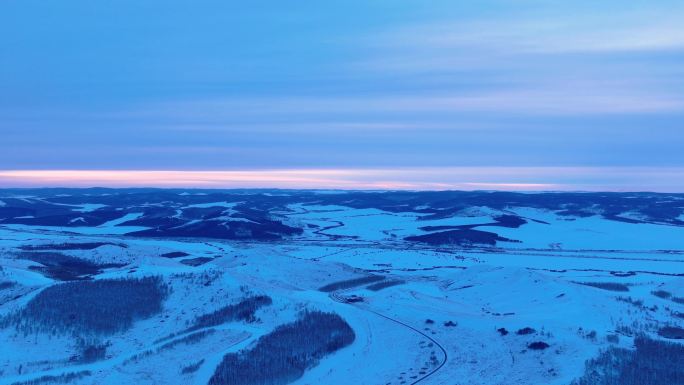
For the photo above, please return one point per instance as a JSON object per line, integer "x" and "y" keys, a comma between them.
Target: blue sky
{"x": 268, "y": 85}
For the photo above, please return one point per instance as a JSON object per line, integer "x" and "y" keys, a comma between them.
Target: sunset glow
{"x": 445, "y": 178}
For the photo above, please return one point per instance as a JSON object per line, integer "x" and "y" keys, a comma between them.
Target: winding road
{"x": 337, "y": 297}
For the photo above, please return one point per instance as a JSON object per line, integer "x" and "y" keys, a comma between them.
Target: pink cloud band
{"x": 431, "y": 178}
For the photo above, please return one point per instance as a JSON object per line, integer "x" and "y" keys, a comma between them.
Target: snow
{"x": 373, "y": 224}
{"x": 592, "y": 233}
{"x": 513, "y": 285}
{"x": 89, "y": 207}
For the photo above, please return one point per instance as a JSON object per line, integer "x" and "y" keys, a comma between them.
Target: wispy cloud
{"x": 550, "y": 99}
{"x": 548, "y": 62}
{"x": 551, "y": 36}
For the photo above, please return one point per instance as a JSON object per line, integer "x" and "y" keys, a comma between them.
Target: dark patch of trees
{"x": 175, "y": 254}
{"x": 511, "y": 221}
{"x": 242, "y": 311}
{"x": 662, "y": 294}
{"x": 61, "y": 379}
{"x": 652, "y": 362}
{"x": 667, "y": 295}
{"x": 283, "y": 355}
{"x": 63, "y": 267}
{"x": 103, "y": 306}
{"x": 385, "y": 284}
{"x": 502, "y": 331}
{"x": 634, "y": 302}
{"x": 192, "y": 368}
{"x": 671, "y": 332}
{"x": 462, "y": 237}
{"x": 91, "y": 351}
{"x": 196, "y": 261}
{"x": 7, "y": 285}
{"x": 611, "y": 286}
{"x": 349, "y": 283}
{"x": 191, "y": 338}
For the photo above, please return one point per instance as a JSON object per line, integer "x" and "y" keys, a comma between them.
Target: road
{"x": 338, "y": 297}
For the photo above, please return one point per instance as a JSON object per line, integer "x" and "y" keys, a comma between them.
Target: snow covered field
{"x": 529, "y": 310}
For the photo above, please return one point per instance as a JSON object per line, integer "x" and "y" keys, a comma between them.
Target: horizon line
{"x": 469, "y": 178}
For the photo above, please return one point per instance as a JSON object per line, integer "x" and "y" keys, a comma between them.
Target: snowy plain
{"x": 440, "y": 322}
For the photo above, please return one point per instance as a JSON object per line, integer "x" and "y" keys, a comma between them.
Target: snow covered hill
{"x": 146, "y": 286}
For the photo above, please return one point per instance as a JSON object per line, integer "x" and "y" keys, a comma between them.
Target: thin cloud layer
{"x": 343, "y": 85}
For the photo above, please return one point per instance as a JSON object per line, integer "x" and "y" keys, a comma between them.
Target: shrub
{"x": 103, "y": 306}
{"x": 539, "y": 345}
{"x": 636, "y": 302}
{"x": 283, "y": 355}
{"x": 502, "y": 331}
{"x": 525, "y": 331}
{"x": 652, "y": 362}
{"x": 613, "y": 338}
{"x": 591, "y": 335}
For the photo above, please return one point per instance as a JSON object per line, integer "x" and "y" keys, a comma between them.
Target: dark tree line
{"x": 612, "y": 286}
{"x": 349, "y": 283}
{"x": 283, "y": 355}
{"x": 385, "y": 284}
{"x": 61, "y": 379}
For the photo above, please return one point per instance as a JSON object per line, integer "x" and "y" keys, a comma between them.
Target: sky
{"x": 491, "y": 94}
